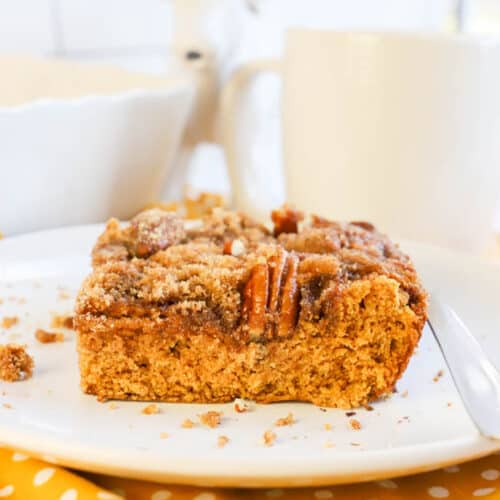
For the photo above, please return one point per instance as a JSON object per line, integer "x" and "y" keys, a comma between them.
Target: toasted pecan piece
{"x": 367, "y": 226}
{"x": 286, "y": 220}
{"x": 271, "y": 297}
{"x": 255, "y": 300}
{"x": 289, "y": 308}
{"x": 277, "y": 265}
{"x": 155, "y": 230}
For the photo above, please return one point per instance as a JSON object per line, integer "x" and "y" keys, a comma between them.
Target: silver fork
{"x": 476, "y": 378}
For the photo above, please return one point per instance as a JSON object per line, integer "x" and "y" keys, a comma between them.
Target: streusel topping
{"x": 235, "y": 272}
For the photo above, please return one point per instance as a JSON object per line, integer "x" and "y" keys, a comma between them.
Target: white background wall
{"x": 136, "y": 34}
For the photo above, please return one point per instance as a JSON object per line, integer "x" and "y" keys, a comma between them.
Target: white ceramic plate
{"x": 422, "y": 427}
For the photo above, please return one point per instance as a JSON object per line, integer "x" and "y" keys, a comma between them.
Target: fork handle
{"x": 476, "y": 378}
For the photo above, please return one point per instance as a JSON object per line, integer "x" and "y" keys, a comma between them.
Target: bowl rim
{"x": 173, "y": 86}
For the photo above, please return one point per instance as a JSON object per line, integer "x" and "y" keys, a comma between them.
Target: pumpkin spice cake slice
{"x": 315, "y": 311}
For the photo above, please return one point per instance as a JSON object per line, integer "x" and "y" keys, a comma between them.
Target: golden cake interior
{"x": 314, "y": 311}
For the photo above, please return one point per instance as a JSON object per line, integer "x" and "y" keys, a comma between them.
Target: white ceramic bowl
{"x": 83, "y": 159}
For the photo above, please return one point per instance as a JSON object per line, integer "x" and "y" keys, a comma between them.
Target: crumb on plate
{"x": 222, "y": 441}
{"x": 9, "y": 321}
{"x": 328, "y": 427}
{"x": 187, "y": 424}
{"x": 288, "y": 420}
{"x": 62, "y": 321}
{"x": 355, "y": 424}
{"x": 241, "y": 406}
{"x": 151, "y": 409}
{"x": 46, "y": 337}
{"x": 438, "y": 375}
{"x": 15, "y": 363}
{"x": 210, "y": 418}
{"x": 163, "y": 435}
{"x": 269, "y": 437}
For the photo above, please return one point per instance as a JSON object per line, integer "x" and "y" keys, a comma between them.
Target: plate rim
{"x": 330, "y": 469}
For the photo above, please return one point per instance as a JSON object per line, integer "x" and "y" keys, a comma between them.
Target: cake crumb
{"x": 241, "y": 406}
{"x": 8, "y": 406}
{"x": 163, "y": 435}
{"x": 355, "y": 444}
{"x": 151, "y": 409}
{"x": 288, "y": 420}
{"x": 15, "y": 363}
{"x": 1, "y": 235}
{"x": 187, "y": 424}
{"x": 9, "y": 321}
{"x": 210, "y": 418}
{"x": 329, "y": 444}
{"x": 350, "y": 413}
{"x": 369, "y": 407}
{"x": 439, "y": 374}
{"x": 355, "y": 424}
{"x": 328, "y": 427}
{"x": 222, "y": 441}
{"x": 61, "y": 321}
{"x": 269, "y": 437}
{"x": 449, "y": 404}
{"x": 48, "y": 337}
{"x": 404, "y": 394}
{"x": 63, "y": 295}
{"x": 113, "y": 406}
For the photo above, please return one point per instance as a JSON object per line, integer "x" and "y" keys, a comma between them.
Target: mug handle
{"x": 230, "y": 124}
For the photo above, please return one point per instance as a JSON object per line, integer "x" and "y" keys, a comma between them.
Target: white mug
{"x": 399, "y": 129}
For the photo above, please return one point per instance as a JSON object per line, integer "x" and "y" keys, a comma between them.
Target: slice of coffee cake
{"x": 321, "y": 311}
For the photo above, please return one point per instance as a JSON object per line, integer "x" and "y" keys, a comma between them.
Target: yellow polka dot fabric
{"x": 24, "y": 478}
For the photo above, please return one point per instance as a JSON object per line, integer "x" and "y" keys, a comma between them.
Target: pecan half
{"x": 277, "y": 265}
{"x": 255, "y": 298}
{"x": 271, "y": 297}
{"x": 289, "y": 307}
{"x": 367, "y": 226}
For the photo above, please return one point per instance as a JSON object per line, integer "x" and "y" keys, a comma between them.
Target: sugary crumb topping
{"x": 233, "y": 272}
